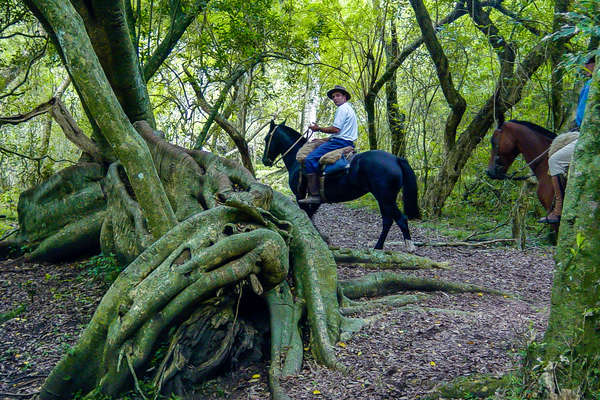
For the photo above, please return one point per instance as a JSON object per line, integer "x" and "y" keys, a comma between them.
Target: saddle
{"x": 335, "y": 161}
{"x": 561, "y": 141}
{"x": 332, "y": 163}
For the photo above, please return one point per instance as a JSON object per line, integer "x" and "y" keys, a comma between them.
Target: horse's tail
{"x": 410, "y": 197}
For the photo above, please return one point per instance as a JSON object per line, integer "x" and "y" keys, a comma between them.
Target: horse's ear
{"x": 283, "y": 123}
{"x": 272, "y": 126}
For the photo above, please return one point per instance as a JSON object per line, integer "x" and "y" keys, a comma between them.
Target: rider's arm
{"x": 326, "y": 129}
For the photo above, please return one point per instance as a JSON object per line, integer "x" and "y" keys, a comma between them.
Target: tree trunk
{"x": 205, "y": 245}
{"x": 370, "y": 109}
{"x": 559, "y": 113}
{"x": 104, "y": 107}
{"x": 509, "y": 86}
{"x": 395, "y": 116}
{"x": 573, "y": 335}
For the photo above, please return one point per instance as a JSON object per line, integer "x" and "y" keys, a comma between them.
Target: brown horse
{"x": 512, "y": 138}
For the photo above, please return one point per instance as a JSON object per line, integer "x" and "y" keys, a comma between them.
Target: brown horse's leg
{"x": 545, "y": 193}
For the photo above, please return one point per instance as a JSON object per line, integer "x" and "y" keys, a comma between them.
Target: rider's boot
{"x": 314, "y": 196}
{"x": 554, "y": 216}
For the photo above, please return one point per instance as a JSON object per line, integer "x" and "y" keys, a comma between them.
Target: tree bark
{"x": 394, "y": 114}
{"x": 559, "y": 113}
{"x": 70, "y": 36}
{"x": 573, "y": 335}
{"x": 455, "y": 100}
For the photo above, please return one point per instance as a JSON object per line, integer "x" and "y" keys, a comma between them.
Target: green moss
{"x": 15, "y": 312}
{"x": 470, "y": 387}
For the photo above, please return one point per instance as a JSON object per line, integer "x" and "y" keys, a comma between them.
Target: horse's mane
{"x": 536, "y": 128}
{"x": 294, "y": 134}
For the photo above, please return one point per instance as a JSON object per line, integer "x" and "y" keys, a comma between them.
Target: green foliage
{"x": 10, "y": 314}
{"x": 103, "y": 267}
{"x": 8, "y": 210}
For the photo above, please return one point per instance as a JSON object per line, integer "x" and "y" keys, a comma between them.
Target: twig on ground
{"x": 456, "y": 244}
{"x": 488, "y": 231}
{"x": 17, "y": 271}
{"x": 9, "y": 233}
{"x": 18, "y": 395}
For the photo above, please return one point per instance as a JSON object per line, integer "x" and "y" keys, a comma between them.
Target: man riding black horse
{"x": 343, "y": 131}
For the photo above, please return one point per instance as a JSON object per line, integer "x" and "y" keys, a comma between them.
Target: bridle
{"x": 288, "y": 150}
{"x": 532, "y": 164}
{"x": 529, "y": 164}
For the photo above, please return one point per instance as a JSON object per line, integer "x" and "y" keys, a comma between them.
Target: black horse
{"x": 376, "y": 171}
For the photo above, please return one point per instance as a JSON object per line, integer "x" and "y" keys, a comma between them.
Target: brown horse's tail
{"x": 410, "y": 197}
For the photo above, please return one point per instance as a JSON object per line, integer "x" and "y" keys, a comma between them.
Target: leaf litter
{"x": 401, "y": 355}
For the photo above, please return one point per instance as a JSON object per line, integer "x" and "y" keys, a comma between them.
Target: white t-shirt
{"x": 345, "y": 121}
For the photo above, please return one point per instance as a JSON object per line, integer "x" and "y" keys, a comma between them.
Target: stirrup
{"x": 546, "y": 220}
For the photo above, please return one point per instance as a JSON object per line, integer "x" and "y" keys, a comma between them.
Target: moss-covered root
{"x": 384, "y": 283}
{"x": 205, "y": 252}
{"x": 286, "y": 343}
{"x": 315, "y": 275}
{"x": 216, "y": 336}
{"x": 370, "y": 258}
{"x": 397, "y": 300}
{"x": 470, "y": 387}
{"x": 63, "y": 214}
{"x": 77, "y": 238}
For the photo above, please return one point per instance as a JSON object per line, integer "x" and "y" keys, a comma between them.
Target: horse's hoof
{"x": 410, "y": 246}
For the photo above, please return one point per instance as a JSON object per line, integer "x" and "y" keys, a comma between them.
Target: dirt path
{"x": 402, "y": 355}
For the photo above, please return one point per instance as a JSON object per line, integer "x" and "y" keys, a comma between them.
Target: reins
{"x": 290, "y": 148}
{"x": 522, "y": 178}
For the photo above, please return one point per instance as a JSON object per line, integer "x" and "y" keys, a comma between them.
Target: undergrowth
{"x": 103, "y": 267}
{"x": 479, "y": 209}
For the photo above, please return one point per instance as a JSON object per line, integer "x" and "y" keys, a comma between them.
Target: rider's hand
{"x": 314, "y": 127}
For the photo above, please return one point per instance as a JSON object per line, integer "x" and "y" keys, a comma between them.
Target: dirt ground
{"x": 403, "y": 354}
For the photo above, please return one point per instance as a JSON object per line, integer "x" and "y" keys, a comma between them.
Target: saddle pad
{"x": 340, "y": 165}
{"x": 561, "y": 141}
{"x": 335, "y": 155}
{"x": 307, "y": 148}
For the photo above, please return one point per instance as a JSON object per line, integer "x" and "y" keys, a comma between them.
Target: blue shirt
{"x": 583, "y": 95}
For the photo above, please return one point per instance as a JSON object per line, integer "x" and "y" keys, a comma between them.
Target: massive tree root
{"x": 241, "y": 261}
{"x": 62, "y": 215}
{"x": 234, "y": 236}
{"x": 380, "y": 259}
